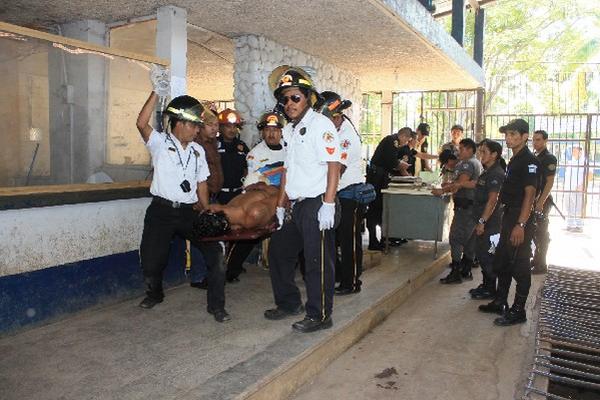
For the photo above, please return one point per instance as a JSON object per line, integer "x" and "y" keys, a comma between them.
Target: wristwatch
{"x": 522, "y": 224}
{"x": 481, "y": 221}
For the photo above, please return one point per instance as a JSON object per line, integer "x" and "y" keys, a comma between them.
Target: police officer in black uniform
{"x": 408, "y": 154}
{"x": 513, "y": 254}
{"x": 383, "y": 163}
{"x": 233, "y": 153}
{"x": 179, "y": 189}
{"x": 488, "y": 213}
{"x": 543, "y": 202}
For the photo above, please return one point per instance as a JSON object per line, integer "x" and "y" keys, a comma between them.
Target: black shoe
{"x": 512, "y": 317}
{"x": 477, "y": 289}
{"x": 203, "y": 284}
{"x": 452, "y": 277}
{"x": 494, "y": 308}
{"x": 376, "y": 247}
{"x": 220, "y": 315}
{"x": 311, "y": 325}
{"x": 233, "y": 279}
{"x": 279, "y": 313}
{"x": 149, "y": 302}
{"x": 342, "y": 291}
{"x": 466, "y": 275}
{"x": 483, "y": 294}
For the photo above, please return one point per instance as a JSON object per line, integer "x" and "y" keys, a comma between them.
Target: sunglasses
{"x": 295, "y": 98}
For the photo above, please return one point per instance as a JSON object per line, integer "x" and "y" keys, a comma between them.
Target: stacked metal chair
{"x": 567, "y": 350}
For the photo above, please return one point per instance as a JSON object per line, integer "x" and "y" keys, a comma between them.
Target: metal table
{"x": 414, "y": 213}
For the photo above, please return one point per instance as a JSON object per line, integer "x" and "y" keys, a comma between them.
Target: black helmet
{"x": 331, "y": 104}
{"x": 295, "y": 77}
{"x": 271, "y": 118}
{"x": 185, "y": 108}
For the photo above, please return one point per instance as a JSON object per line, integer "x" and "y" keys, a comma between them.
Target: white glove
{"x": 280, "y": 213}
{"x": 326, "y": 216}
{"x": 159, "y": 76}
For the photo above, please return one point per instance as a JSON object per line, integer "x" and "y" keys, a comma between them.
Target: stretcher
{"x": 243, "y": 234}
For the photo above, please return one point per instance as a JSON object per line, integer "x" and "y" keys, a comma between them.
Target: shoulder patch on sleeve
{"x": 552, "y": 167}
{"x": 328, "y": 137}
{"x": 532, "y": 168}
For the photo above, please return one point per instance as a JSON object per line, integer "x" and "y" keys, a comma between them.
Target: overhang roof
{"x": 388, "y": 44}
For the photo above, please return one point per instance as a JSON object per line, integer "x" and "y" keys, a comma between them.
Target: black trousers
{"x": 161, "y": 223}
{"x": 375, "y": 216}
{"x": 486, "y": 260}
{"x": 349, "y": 240}
{"x": 541, "y": 239}
{"x": 238, "y": 253}
{"x": 302, "y": 232}
{"x": 513, "y": 262}
{"x": 225, "y": 197}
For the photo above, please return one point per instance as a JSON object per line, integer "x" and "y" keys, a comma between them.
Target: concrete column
{"x": 458, "y": 20}
{"x": 78, "y": 106}
{"x": 171, "y": 44}
{"x": 479, "y": 36}
{"x": 479, "y": 115}
{"x": 386, "y": 113}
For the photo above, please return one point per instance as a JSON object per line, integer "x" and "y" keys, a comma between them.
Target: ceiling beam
{"x": 447, "y": 11}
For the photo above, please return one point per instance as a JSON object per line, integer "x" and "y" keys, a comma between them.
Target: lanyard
{"x": 179, "y": 155}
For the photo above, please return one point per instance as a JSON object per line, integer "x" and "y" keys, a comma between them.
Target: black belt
{"x": 463, "y": 203}
{"x": 172, "y": 204}
{"x": 231, "y": 190}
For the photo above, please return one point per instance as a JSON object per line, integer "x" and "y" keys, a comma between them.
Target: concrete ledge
{"x": 283, "y": 366}
{"x": 285, "y": 380}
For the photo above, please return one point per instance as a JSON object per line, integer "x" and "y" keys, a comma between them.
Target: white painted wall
{"x": 37, "y": 238}
{"x": 257, "y": 56}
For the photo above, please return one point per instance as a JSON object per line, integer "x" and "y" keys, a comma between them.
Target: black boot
{"x": 516, "y": 314}
{"x": 154, "y": 293}
{"x": 497, "y": 306}
{"x": 454, "y": 275}
{"x": 486, "y": 291}
{"x": 466, "y": 264}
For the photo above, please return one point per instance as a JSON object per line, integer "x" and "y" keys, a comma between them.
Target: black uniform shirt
{"x": 386, "y": 153}
{"x": 406, "y": 154}
{"x": 489, "y": 181}
{"x": 424, "y": 148}
{"x": 548, "y": 165}
{"x": 233, "y": 159}
{"x": 523, "y": 170}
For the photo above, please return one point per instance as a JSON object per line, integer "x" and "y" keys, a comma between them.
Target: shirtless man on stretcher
{"x": 253, "y": 209}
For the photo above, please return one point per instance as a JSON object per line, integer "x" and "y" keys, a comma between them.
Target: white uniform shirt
{"x": 310, "y": 145}
{"x": 351, "y": 157}
{"x": 265, "y": 165}
{"x": 167, "y": 158}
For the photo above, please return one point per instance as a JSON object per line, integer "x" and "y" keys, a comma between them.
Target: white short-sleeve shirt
{"x": 311, "y": 144}
{"x": 350, "y": 148}
{"x": 172, "y": 165}
{"x": 265, "y": 165}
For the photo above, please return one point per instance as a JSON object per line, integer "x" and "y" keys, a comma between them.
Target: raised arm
{"x": 143, "y": 120}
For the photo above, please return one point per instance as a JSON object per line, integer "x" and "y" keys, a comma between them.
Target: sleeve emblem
{"x": 328, "y": 137}
{"x": 552, "y": 167}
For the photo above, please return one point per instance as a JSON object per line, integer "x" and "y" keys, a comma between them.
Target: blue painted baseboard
{"x": 41, "y": 296}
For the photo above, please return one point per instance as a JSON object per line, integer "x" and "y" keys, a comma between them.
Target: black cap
{"x": 519, "y": 125}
